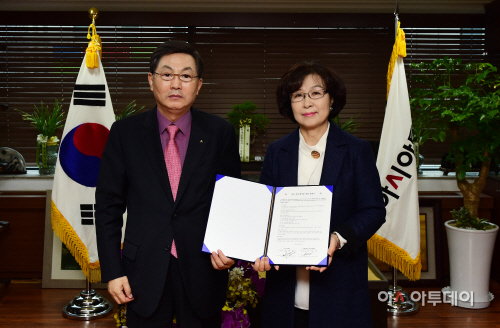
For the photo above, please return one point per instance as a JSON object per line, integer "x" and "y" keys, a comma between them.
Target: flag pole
{"x": 396, "y": 19}
{"x": 88, "y": 305}
{"x": 399, "y": 303}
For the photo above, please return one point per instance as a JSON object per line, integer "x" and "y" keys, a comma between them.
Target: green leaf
{"x": 461, "y": 175}
{"x": 245, "y": 112}
{"x": 46, "y": 121}
{"x": 442, "y": 135}
{"x": 129, "y": 110}
{"x": 463, "y": 219}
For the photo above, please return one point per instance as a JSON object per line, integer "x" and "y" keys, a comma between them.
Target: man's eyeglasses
{"x": 313, "y": 94}
{"x": 184, "y": 77}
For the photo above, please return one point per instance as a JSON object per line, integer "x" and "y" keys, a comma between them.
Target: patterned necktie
{"x": 174, "y": 167}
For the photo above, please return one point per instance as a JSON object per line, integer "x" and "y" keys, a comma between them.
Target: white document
{"x": 239, "y": 215}
{"x": 300, "y": 226}
{"x": 243, "y": 214}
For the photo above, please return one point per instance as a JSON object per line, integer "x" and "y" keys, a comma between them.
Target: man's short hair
{"x": 292, "y": 81}
{"x": 175, "y": 47}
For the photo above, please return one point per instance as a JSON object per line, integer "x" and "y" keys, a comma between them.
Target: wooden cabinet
{"x": 4, "y": 225}
{"x": 21, "y": 245}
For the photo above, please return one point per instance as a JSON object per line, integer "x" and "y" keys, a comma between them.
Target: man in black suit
{"x": 162, "y": 272}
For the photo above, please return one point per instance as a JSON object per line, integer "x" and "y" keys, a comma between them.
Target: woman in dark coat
{"x": 320, "y": 153}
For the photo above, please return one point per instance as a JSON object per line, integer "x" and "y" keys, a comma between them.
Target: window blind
{"x": 40, "y": 63}
{"x": 427, "y": 44}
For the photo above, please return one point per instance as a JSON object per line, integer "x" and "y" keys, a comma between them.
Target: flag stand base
{"x": 399, "y": 302}
{"x": 88, "y": 305}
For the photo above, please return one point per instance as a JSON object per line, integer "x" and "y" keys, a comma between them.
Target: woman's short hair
{"x": 175, "y": 47}
{"x": 292, "y": 81}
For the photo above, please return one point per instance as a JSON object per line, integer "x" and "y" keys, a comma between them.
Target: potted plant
{"x": 129, "y": 110}
{"x": 46, "y": 121}
{"x": 470, "y": 243}
{"x": 247, "y": 124}
{"x": 460, "y": 103}
{"x": 348, "y": 126}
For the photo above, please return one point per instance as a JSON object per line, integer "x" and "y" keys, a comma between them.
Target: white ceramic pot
{"x": 471, "y": 252}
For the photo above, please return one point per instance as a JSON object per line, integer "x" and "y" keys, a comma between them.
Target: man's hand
{"x": 120, "y": 290}
{"x": 220, "y": 261}
{"x": 334, "y": 241}
{"x": 263, "y": 264}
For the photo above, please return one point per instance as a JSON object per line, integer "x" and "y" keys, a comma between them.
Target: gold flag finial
{"x": 398, "y": 50}
{"x": 94, "y": 14}
{"x": 94, "y": 49}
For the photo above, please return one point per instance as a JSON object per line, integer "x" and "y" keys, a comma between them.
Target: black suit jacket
{"x": 133, "y": 177}
{"x": 339, "y": 296}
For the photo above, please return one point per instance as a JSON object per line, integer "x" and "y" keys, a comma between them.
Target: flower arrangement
{"x": 244, "y": 288}
{"x": 121, "y": 316}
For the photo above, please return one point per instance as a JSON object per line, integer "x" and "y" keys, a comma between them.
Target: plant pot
{"x": 46, "y": 154}
{"x": 471, "y": 252}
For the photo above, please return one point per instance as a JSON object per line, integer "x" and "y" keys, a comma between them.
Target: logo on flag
{"x": 81, "y": 150}
{"x": 90, "y": 117}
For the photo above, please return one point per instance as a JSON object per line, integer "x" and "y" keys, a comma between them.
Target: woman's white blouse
{"x": 309, "y": 173}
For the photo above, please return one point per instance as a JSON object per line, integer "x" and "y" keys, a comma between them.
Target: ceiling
{"x": 255, "y": 6}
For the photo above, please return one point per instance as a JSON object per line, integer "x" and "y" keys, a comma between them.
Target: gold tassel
{"x": 94, "y": 49}
{"x": 68, "y": 236}
{"x": 395, "y": 256}
{"x": 399, "y": 49}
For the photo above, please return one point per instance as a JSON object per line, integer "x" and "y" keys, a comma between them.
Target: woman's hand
{"x": 262, "y": 264}
{"x": 334, "y": 243}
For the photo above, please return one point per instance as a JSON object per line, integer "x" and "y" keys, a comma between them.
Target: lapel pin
{"x": 201, "y": 141}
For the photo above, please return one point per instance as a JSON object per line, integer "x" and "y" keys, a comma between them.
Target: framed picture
{"x": 430, "y": 254}
{"x": 60, "y": 269}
